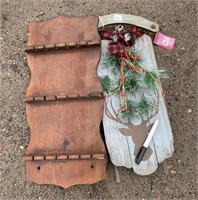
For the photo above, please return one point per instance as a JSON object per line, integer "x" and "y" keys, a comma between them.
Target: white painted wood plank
{"x": 116, "y": 142}
{"x": 128, "y": 19}
{"x": 163, "y": 138}
{"x": 145, "y": 167}
{"x": 149, "y": 166}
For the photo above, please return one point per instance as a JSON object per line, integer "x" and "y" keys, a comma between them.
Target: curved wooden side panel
{"x": 65, "y": 144}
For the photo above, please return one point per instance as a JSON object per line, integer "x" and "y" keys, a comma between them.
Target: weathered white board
{"x": 121, "y": 147}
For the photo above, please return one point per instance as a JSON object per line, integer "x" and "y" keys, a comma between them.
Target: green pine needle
{"x": 150, "y": 79}
{"x": 112, "y": 63}
{"x": 131, "y": 84}
{"x": 137, "y": 84}
{"x": 108, "y": 84}
{"x": 144, "y": 106}
{"x": 131, "y": 111}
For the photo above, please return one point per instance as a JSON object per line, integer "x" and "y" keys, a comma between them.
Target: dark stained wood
{"x": 60, "y": 127}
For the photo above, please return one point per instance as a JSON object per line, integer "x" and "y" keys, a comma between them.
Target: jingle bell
{"x": 115, "y": 38}
{"x": 127, "y": 37}
{"x": 119, "y": 28}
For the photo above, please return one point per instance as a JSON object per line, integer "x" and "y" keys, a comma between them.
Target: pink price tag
{"x": 164, "y": 41}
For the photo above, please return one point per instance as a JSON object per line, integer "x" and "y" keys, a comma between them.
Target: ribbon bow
{"x": 120, "y": 38}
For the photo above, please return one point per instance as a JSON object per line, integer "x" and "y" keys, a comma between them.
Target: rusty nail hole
{"x": 92, "y": 166}
{"x": 38, "y": 167}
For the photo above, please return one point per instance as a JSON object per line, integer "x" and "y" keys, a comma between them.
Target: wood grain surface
{"x": 64, "y": 128}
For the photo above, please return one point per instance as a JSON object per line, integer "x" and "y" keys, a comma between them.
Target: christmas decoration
{"x": 129, "y": 77}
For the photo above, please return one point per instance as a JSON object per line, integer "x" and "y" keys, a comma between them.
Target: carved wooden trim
{"x": 99, "y": 156}
{"x": 90, "y": 96}
{"x": 62, "y": 46}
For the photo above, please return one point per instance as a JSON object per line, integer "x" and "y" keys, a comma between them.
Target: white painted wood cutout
{"x": 121, "y": 147}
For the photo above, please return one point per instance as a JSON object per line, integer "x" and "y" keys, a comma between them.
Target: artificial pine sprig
{"x": 112, "y": 63}
{"x": 144, "y": 108}
{"x": 109, "y": 85}
{"x": 155, "y": 76}
{"x": 135, "y": 79}
{"x": 131, "y": 84}
{"x": 150, "y": 79}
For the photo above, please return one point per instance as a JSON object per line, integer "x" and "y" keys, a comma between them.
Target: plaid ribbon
{"x": 119, "y": 46}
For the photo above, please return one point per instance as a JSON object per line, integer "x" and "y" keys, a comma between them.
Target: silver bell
{"x": 127, "y": 37}
{"x": 115, "y": 38}
{"x": 119, "y": 28}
